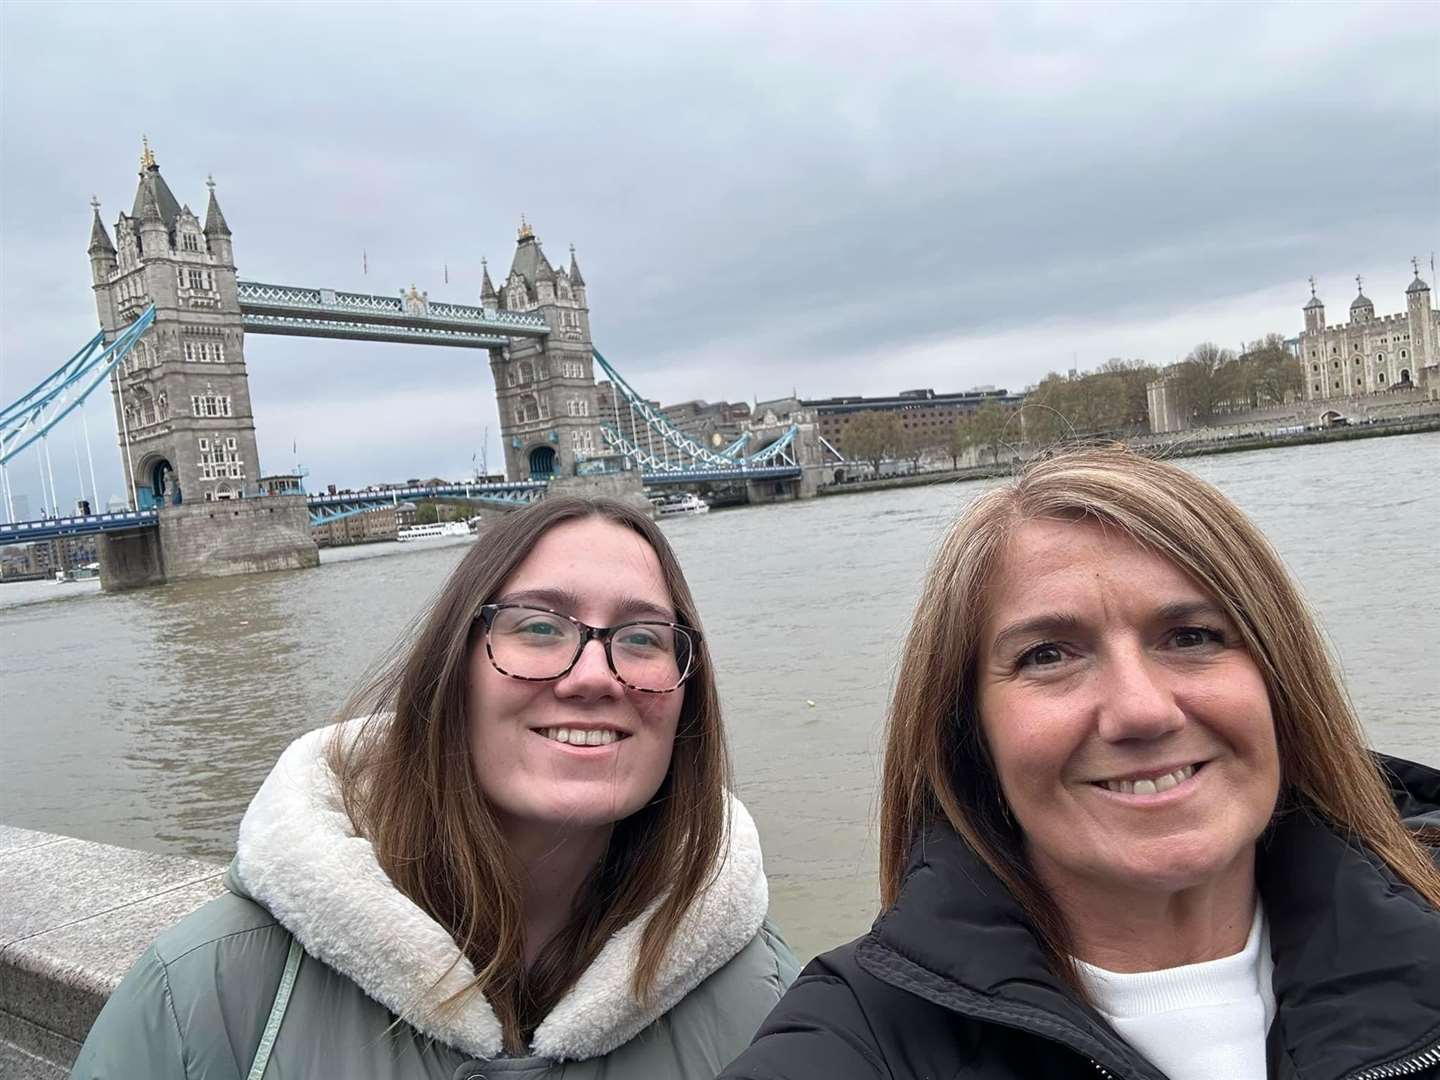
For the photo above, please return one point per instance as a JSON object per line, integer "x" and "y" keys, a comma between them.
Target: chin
{"x": 1181, "y": 866}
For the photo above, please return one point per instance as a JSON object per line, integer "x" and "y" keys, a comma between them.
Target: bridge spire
{"x": 214, "y": 220}
{"x": 575, "y": 278}
{"x": 147, "y": 156}
{"x": 99, "y": 238}
{"x": 488, "y": 295}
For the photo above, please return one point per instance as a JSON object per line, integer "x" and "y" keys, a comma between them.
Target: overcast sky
{"x": 764, "y": 198}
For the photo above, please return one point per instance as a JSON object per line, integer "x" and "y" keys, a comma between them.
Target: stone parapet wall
{"x": 75, "y": 916}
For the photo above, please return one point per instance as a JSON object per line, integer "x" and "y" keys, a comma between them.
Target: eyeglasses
{"x": 537, "y": 645}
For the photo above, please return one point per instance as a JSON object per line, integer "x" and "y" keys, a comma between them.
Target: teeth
{"x": 1151, "y": 787}
{"x": 578, "y": 737}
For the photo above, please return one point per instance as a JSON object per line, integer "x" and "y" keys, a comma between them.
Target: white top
{"x": 1198, "y": 1021}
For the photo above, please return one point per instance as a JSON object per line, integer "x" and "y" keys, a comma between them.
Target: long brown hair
{"x": 408, "y": 786}
{"x": 937, "y": 767}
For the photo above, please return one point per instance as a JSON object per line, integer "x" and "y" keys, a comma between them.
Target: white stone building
{"x": 1370, "y": 354}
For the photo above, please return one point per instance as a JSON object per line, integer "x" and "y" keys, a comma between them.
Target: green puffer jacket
{"x": 196, "y": 1004}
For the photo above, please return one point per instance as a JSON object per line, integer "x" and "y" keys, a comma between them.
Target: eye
{"x": 1043, "y": 655}
{"x": 640, "y": 637}
{"x": 1196, "y": 637}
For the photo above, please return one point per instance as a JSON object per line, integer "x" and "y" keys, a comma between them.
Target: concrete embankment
{"x": 74, "y": 915}
{"x": 1190, "y": 445}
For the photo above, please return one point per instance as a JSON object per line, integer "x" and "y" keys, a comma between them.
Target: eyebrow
{"x": 1056, "y": 623}
{"x": 567, "y": 601}
{"x": 1048, "y": 624}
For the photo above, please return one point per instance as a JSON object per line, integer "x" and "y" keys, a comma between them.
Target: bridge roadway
{"x": 325, "y": 508}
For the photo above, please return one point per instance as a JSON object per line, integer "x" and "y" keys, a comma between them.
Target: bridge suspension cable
{"x": 689, "y": 455}
{"x": 30, "y": 418}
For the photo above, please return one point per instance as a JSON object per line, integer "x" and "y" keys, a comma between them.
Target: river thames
{"x": 148, "y": 719}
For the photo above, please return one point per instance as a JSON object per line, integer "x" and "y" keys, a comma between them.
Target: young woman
{"x": 1129, "y": 825}
{"x": 524, "y": 862}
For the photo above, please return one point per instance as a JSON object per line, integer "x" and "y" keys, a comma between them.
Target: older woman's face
{"x": 602, "y": 574}
{"x": 1129, "y": 725}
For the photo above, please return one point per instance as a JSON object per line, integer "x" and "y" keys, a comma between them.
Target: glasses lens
{"x": 652, "y": 656}
{"x": 531, "y": 643}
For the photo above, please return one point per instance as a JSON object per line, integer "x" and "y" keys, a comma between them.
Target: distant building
{"x": 43, "y": 558}
{"x": 714, "y": 425}
{"x": 382, "y": 523}
{"x": 1370, "y": 355}
{"x": 922, "y": 411}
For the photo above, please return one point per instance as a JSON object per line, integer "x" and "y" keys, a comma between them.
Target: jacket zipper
{"x": 1409, "y": 1067}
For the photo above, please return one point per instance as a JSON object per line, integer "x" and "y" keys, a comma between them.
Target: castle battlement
{"x": 1348, "y": 359}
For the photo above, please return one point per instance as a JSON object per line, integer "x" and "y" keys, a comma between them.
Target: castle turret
{"x": 1314, "y": 312}
{"x": 1424, "y": 361}
{"x": 1361, "y": 309}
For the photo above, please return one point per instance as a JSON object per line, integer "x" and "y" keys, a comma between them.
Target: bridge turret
{"x": 488, "y": 297}
{"x": 101, "y": 251}
{"x": 217, "y": 232}
{"x": 577, "y": 281}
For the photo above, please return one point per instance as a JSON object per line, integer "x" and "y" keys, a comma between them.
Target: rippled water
{"x": 148, "y": 719}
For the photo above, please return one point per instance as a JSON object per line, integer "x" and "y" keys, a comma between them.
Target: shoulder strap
{"x": 277, "y": 1011}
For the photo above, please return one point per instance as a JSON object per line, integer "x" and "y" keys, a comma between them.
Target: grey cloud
{"x": 797, "y": 190}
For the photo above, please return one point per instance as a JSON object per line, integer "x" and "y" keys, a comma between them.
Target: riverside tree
{"x": 960, "y": 439}
{"x": 989, "y": 425}
{"x": 873, "y": 437}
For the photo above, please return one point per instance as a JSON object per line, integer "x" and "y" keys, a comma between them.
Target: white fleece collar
{"x": 299, "y": 855}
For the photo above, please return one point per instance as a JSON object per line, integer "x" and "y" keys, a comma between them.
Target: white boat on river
{"x": 685, "y": 504}
{"x": 433, "y": 531}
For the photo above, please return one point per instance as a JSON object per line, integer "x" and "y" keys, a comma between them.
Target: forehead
{"x": 595, "y": 558}
{"x": 1049, "y": 562}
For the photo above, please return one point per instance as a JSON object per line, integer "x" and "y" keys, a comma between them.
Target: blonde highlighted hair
{"x": 937, "y": 768}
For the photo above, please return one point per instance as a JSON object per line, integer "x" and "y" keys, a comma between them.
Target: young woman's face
{"x": 602, "y": 574}
{"x": 1129, "y": 725}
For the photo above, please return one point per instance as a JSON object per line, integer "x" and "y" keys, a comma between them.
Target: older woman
{"x": 526, "y": 863}
{"x": 1129, "y": 824}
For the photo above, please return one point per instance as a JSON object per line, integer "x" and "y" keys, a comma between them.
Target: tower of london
{"x": 1370, "y": 354}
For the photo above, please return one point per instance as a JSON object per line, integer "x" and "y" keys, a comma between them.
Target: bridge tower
{"x": 182, "y": 400}
{"x": 545, "y": 389}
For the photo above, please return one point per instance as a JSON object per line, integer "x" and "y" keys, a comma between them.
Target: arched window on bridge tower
{"x": 527, "y": 409}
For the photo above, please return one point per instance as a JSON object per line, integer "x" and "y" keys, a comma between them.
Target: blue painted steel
{"x": 24, "y": 532}
{"x": 283, "y": 302}
{"x": 325, "y": 508}
{"x": 23, "y": 422}
{"x": 657, "y": 422}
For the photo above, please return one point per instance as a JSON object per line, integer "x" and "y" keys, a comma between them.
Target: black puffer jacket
{"x": 951, "y": 985}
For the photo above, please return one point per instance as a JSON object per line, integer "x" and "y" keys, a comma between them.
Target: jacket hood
{"x": 1353, "y": 947}
{"x": 300, "y": 856}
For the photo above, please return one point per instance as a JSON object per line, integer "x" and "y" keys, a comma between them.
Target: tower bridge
{"x": 174, "y": 317}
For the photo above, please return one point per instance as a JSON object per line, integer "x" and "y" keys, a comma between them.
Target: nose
{"x": 1137, "y": 700}
{"x": 590, "y": 678}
